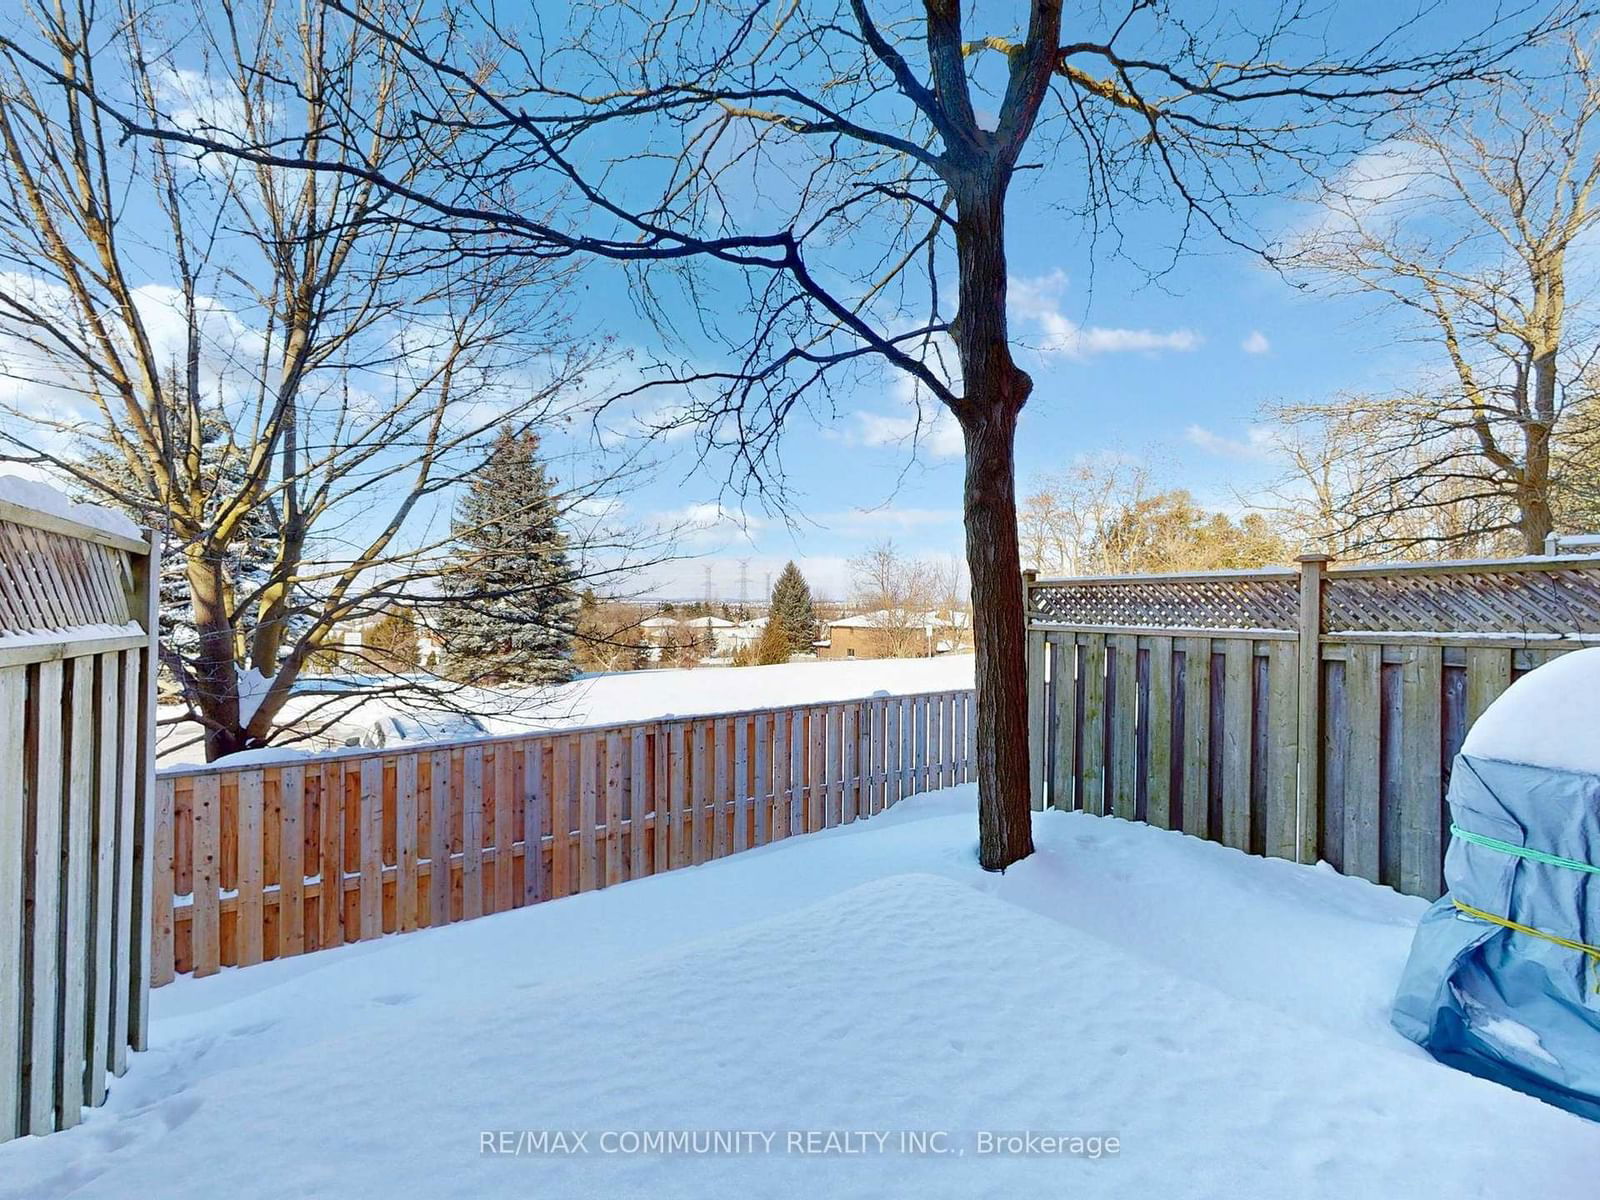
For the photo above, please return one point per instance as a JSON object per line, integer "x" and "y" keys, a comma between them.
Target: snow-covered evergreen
{"x": 793, "y": 610}
{"x": 511, "y": 602}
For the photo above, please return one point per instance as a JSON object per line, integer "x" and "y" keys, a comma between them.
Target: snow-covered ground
{"x": 637, "y": 696}
{"x": 1223, "y": 1018}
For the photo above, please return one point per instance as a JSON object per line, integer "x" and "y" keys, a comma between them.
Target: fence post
{"x": 1035, "y": 669}
{"x": 1308, "y": 792}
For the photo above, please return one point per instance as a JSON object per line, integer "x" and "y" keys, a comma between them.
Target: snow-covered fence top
{"x": 260, "y": 860}
{"x": 1309, "y": 713}
{"x": 77, "y": 710}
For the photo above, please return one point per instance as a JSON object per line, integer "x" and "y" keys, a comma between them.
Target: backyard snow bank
{"x": 614, "y": 699}
{"x": 1223, "y": 1017}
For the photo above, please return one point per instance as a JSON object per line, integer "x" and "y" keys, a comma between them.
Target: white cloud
{"x": 1380, "y": 184}
{"x": 936, "y": 432}
{"x": 919, "y": 422}
{"x": 1256, "y": 343}
{"x": 710, "y": 524}
{"x": 1258, "y": 442}
{"x": 877, "y": 521}
{"x": 1038, "y": 299}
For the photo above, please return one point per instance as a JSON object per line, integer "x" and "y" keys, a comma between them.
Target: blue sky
{"x": 1176, "y": 372}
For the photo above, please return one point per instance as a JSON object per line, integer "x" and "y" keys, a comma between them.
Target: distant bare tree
{"x": 1470, "y": 228}
{"x": 1064, "y": 511}
{"x": 900, "y": 596}
{"x": 299, "y": 376}
{"x": 1338, "y": 492}
{"x": 830, "y": 172}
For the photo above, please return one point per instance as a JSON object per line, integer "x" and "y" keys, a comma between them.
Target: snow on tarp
{"x": 1219, "y": 1015}
{"x": 1502, "y": 1003}
{"x": 31, "y": 493}
{"x": 1550, "y": 717}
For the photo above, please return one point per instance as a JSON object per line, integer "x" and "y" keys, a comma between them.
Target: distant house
{"x": 719, "y": 636}
{"x": 353, "y": 637}
{"x": 888, "y": 633}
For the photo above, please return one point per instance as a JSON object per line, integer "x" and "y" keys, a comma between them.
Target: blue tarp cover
{"x": 1492, "y": 1001}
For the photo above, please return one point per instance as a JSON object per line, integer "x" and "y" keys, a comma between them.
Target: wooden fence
{"x": 77, "y": 712}
{"x": 1308, "y": 713}
{"x": 261, "y": 862}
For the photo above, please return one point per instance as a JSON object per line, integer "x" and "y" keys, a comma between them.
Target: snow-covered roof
{"x": 1546, "y": 718}
{"x": 884, "y": 618}
{"x": 659, "y": 623}
{"x": 709, "y": 622}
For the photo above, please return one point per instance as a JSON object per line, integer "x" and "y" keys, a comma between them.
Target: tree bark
{"x": 1005, "y": 822}
{"x": 215, "y": 679}
{"x": 994, "y": 391}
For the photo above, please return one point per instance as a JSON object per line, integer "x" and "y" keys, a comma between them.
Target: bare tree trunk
{"x": 995, "y": 389}
{"x": 999, "y": 641}
{"x": 216, "y": 683}
{"x": 1533, "y": 500}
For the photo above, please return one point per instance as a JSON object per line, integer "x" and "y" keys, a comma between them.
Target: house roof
{"x": 886, "y": 619}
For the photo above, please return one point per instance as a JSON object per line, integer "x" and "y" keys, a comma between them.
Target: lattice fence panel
{"x": 49, "y": 581}
{"x": 1257, "y": 601}
{"x": 1555, "y": 601}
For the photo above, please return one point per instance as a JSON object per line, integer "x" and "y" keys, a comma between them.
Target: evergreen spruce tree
{"x": 511, "y": 603}
{"x": 793, "y": 611}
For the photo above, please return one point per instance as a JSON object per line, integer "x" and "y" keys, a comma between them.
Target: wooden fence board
{"x": 1197, "y": 736}
{"x": 761, "y": 767}
{"x": 1092, "y": 724}
{"x": 291, "y": 885}
{"x": 102, "y": 875}
{"x": 742, "y": 791}
{"x": 561, "y": 784}
{"x": 13, "y": 828}
{"x": 250, "y": 882}
{"x": 589, "y": 875}
{"x": 1283, "y": 750}
{"x": 1488, "y": 674}
{"x": 135, "y": 963}
{"x": 1237, "y": 743}
{"x": 1422, "y": 833}
{"x": 639, "y": 804}
{"x": 614, "y": 787}
{"x": 678, "y": 752}
{"x": 781, "y": 795}
{"x": 1363, "y": 689}
{"x": 1123, "y": 655}
{"x": 205, "y": 916}
{"x": 75, "y": 891}
{"x": 1064, "y": 697}
{"x": 1158, "y": 803}
{"x": 45, "y": 754}
{"x": 499, "y": 898}
{"x": 370, "y": 844}
{"x": 405, "y": 841}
